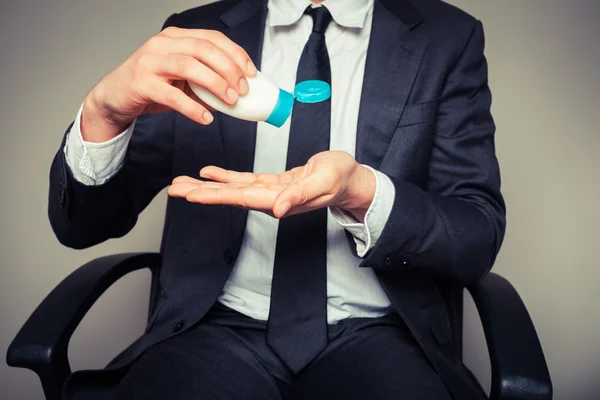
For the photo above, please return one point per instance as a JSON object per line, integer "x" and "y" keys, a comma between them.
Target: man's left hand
{"x": 329, "y": 179}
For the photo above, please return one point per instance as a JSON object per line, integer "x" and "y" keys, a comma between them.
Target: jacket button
{"x": 228, "y": 257}
{"x": 388, "y": 262}
{"x": 178, "y": 327}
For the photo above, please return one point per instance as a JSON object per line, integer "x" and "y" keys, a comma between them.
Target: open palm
{"x": 322, "y": 182}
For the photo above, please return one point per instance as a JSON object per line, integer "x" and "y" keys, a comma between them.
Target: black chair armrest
{"x": 519, "y": 370}
{"x": 42, "y": 343}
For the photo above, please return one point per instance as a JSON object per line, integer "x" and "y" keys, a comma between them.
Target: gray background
{"x": 543, "y": 58}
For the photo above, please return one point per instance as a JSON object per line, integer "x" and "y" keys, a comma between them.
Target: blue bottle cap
{"x": 282, "y": 109}
{"x": 312, "y": 91}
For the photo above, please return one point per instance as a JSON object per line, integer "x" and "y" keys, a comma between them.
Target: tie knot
{"x": 321, "y": 18}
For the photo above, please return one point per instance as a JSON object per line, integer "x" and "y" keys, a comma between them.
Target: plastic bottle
{"x": 263, "y": 102}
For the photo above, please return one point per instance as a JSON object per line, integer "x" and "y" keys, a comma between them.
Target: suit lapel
{"x": 246, "y": 25}
{"x": 393, "y": 59}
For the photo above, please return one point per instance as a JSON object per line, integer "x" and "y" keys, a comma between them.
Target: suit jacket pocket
{"x": 419, "y": 113}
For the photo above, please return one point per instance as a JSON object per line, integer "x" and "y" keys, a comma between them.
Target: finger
{"x": 162, "y": 93}
{"x": 224, "y": 175}
{"x": 185, "y": 187}
{"x": 182, "y": 67}
{"x": 249, "y": 197}
{"x": 185, "y": 179}
{"x": 211, "y": 55}
{"x": 189, "y": 180}
{"x": 314, "y": 204}
{"x": 185, "y": 88}
{"x": 310, "y": 190}
{"x": 190, "y": 93}
{"x": 182, "y": 189}
{"x": 266, "y": 178}
{"x": 234, "y": 51}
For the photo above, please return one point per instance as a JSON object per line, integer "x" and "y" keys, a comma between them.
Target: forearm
{"x": 84, "y": 215}
{"x": 360, "y": 193}
{"x": 366, "y": 227}
{"x": 94, "y": 163}
{"x": 449, "y": 237}
{"x": 97, "y": 124}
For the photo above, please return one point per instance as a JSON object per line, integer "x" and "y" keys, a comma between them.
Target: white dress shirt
{"x": 351, "y": 291}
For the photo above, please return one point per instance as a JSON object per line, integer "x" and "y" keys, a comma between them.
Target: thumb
{"x": 298, "y": 194}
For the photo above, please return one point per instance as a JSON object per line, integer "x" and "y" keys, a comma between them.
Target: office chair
{"x": 519, "y": 370}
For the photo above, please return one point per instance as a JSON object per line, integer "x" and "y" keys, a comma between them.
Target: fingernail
{"x": 251, "y": 68}
{"x": 207, "y": 117}
{"x": 233, "y": 95}
{"x": 243, "y": 86}
{"x": 284, "y": 208}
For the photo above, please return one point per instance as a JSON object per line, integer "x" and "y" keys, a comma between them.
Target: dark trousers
{"x": 226, "y": 356}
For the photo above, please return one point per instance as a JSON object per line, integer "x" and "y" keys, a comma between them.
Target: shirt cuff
{"x": 93, "y": 164}
{"x": 366, "y": 235}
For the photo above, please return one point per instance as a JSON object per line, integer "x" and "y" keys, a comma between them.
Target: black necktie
{"x": 297, "y": 327}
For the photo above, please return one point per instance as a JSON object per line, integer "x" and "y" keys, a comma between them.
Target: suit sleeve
{"x": 82, "y": 216}
{"x": 454, "y": 228}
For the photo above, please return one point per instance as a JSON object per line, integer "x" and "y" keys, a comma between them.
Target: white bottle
{"x": 263, "y": 102}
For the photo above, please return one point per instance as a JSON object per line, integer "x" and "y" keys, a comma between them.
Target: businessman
{"x": 301, "y": 262}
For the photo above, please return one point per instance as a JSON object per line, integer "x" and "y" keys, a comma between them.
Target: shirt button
{"x": 228, "y": 257}
{"x": 178, "y": 327}
{"x": 388, "y": 262}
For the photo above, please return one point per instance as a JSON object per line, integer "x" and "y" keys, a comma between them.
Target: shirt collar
{"x": 347, "y": 13}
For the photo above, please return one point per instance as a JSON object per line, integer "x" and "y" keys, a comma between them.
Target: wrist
{"x": 360, "y": 192}
{"x": 98, "y": 124}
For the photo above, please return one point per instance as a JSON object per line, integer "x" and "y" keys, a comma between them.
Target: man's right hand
{"x": 154, "y": 80}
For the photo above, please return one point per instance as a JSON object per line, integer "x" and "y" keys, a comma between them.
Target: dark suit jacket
{"x": 424, "y": 121}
